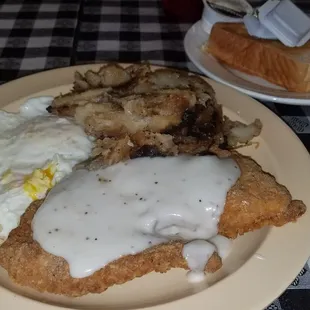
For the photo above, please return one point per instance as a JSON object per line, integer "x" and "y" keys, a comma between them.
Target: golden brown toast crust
{"x": 270, "y": 60}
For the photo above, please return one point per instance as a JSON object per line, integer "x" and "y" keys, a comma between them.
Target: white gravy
{"x": 95, "y": 217}
{"x": 197, "y": 254}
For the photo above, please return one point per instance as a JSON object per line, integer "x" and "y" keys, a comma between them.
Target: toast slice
{"x": 288, "y": 67}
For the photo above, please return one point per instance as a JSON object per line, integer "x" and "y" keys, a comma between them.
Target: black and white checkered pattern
{"x": 36, "y": 35}
{"x": 40, "y": 35}
{"x": 130, "y": 31}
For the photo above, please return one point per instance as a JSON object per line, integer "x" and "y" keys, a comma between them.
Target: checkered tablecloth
{"x": 40, "y": 35}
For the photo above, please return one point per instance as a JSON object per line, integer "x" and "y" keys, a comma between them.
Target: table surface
{"x": 41, "y": 35}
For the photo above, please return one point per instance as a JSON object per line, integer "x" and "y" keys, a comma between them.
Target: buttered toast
{"x": 288, "y": 67}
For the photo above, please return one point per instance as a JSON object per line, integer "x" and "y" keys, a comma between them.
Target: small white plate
{"x": 250, "y": 85}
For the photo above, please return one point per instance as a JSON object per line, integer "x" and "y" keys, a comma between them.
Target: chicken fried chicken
{"x": 256, "y": 200}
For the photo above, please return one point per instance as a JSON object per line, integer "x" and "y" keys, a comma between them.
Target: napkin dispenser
{"x": 279, "y": 19}
{"x": 276, "y": 19}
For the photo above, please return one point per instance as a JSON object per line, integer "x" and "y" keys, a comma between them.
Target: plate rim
{"x": 216, "y": 289}
{"x": 256, "y": 94}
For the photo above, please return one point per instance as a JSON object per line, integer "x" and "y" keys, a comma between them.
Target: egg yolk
{"x": 39, "y": 182}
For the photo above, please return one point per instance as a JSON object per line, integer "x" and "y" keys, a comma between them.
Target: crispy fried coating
{"x": 256, "y": 200}
{"x": 29, "y": 265}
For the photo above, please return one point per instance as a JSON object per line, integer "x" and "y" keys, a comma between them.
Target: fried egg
{"x": 37, "y": 150}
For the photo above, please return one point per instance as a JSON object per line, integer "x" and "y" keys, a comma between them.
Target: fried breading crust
{"x": 29, "y": 265}
{"x": 256, "y": 200}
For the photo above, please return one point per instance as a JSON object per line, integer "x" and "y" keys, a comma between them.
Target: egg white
{"x": 37, "y": 150}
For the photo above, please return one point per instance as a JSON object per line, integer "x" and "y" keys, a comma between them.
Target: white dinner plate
{"x": 250, "y": 85}
{"x": 261, "y": 264}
